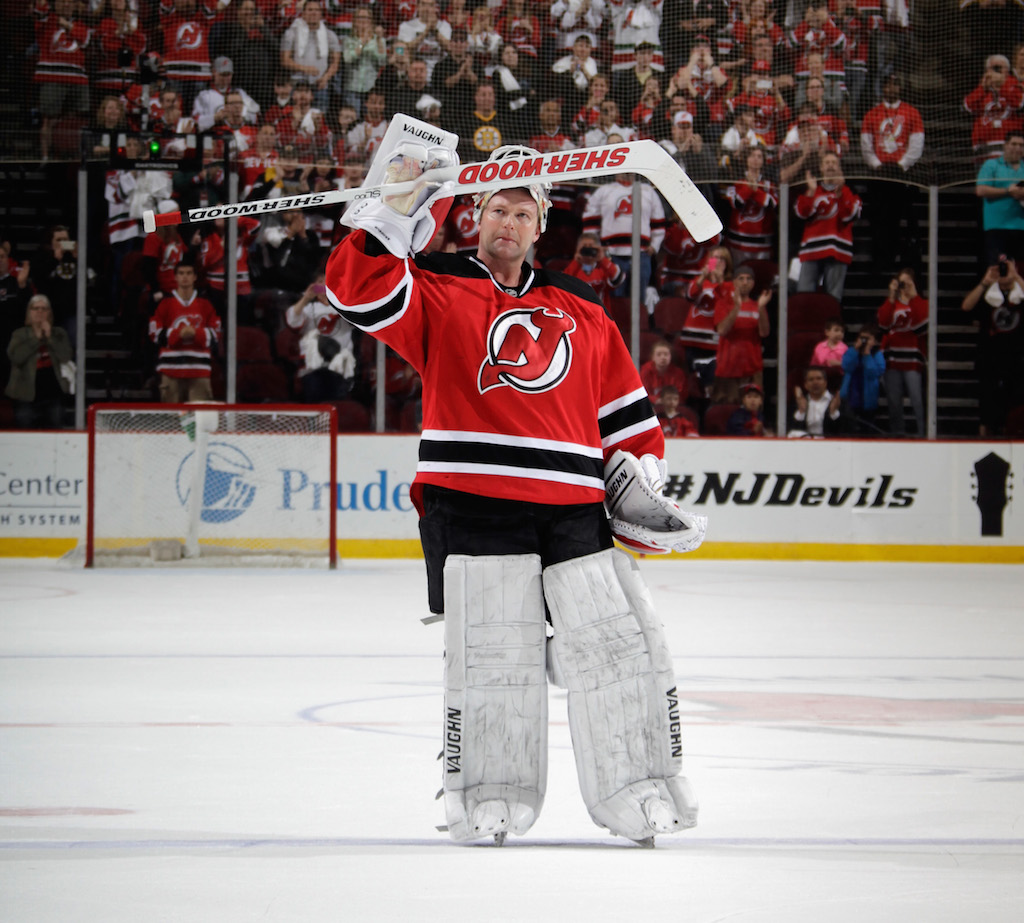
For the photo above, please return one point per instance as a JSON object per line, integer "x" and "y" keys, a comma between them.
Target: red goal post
{"x": 212, "y": 484}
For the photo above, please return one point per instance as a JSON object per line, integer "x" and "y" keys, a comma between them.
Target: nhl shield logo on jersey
{"x": 528, "y": 349}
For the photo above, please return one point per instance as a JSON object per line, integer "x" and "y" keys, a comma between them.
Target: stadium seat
{"x": 670, "y": 314}
{"x": 766, "y": 274}
{"x": 810, "y": 310}
{"x": 353, "y": 417}
{"x": 261, "y": 383}
{"x": 716, "y": 418}
{"x": 253, "y": 345}
{"x": 690, "y": 415}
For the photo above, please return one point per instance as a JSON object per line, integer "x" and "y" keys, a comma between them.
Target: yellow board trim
{"x": 725, "y": 551}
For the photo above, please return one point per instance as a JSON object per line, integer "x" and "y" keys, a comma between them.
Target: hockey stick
{"x": 645, "y": 158}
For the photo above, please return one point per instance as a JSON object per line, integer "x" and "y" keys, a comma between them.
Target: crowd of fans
{"x": 296, "y": 94}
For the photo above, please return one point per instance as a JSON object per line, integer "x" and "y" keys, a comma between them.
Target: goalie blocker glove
{"x": 405, "y": 224}
{"x": 641, "y": 517}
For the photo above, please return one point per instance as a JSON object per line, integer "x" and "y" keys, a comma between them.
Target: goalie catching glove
{"x": 641, "y": 517}
{"x": 406, "y": 223}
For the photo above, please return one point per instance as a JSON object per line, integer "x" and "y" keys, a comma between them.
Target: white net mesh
{"x": 179, "y": 485}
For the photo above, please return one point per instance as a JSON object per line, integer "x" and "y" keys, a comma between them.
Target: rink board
{"x": 878, "y": 500}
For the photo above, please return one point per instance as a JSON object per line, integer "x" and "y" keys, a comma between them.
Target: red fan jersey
{"x": 526, "y": 392}
{"x": 186, "y": 47}
{"x": 211, "y": 257}
{"x": 461, "y": 227}
{"x": 751, "y": 226}
{"x": 604, "y": 278}
{"x": 739, "y": 350}
{"x": 62, "y": 51}
{"x": 180, "y": 356}
{"x": 904, "y": 327}
{"x": 698, "y": 331}
{"x": 167, "y": 254}
{"x": 828, "y": 234}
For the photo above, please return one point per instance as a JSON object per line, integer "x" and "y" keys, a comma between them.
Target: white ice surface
{"x": 201, "y": 745}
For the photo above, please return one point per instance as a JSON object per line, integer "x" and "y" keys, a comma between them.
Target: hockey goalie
{"x": 539, "y": 447}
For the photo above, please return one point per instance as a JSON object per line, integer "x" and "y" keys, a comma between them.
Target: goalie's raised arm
{"x": 405, "y": 222}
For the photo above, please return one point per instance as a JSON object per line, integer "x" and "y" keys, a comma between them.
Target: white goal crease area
{"x": 217, "y": 484}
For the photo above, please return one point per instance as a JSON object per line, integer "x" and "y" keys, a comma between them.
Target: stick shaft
{"x": 645, "y": 158}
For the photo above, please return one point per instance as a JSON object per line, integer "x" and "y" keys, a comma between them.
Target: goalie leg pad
{"x": 623, "y": 702}
{"x": 496, "y": 701}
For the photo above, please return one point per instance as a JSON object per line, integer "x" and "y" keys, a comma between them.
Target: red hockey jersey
{"x": 828, "y": 234}
{"x": 180, "y": 357}
{"x": 526, "y": 392}
{"x": 904, "y": 327}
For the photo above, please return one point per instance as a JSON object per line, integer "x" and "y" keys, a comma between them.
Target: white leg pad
{"x": 623, "y": 702}
{"x": 496, "y": 699}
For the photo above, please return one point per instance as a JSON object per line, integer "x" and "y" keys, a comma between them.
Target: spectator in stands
{"x": 763, "y": 97}
{"x": 681, "y": 258}
{"x": 573, "y": 72}
{"x": 516, "y": 97}
{"x": 185, "y": 329}
{"x": 891, "y": 143}
{"x": 311, "y": 52}
{"x": 863, "y": 368}
{"x": 802, "y": 152}
{"x": 211, "y": 240}
{"x": 858, "y": 27}
{"x": 837, "y": 137}
{"x": 589, "y": 114}
{"x": 328, "y": 358}
{"x": 15, "y": 290}
{"x": 817, "y": 32}
{"x": 455, "y": 78}
{"x": 118, "y": 43}
{"x": 757, "y": 21}
{"x": 591, "y": 264}
{"x": 659, "y": 371}
{"x": 364, "y": 53}
{"x": 753, "y": 212}
{"x": 484, "y": 41}
{"x": 288, "y": 255}
{"x": 704, "y": 81}
{"x": 483, "y": 129}
{"x": 518, "y": 26}
{"x": 737, "y": 140}
{"x": 674, "y": 424}
{"x": 688, "y": 150}
{"x": 698, "y": 336}
{"x": 1000, "y": 185}
{"x": 258, "y": 176}
{"x": 748, "y": 418}
{"x": 61, "y": 69}
{"x": 404, "y": 84}
{"x": 817, "y": 410}
{"x": 997, "y": 303}
{"x": 628, "y": 83}
{"x": 829, "y": 352}
{"x": 609, "y": 213}
{"x": 572, "y": 18}
{"x": 205, "y": 186}
{"x": 56, "y": 276}
{"x": 162, "y": 251}
{"x": 303, "y": 125}
{"x": 248, "y": 42}
{"x": 903, "y": 320}
{"x": 549, "y": 135}
{"x": 642, "y": 117}
{"x": 607, "y": 125}
{"x": 741, "y": 324}
{"x": 184, "y": 30}
{"x": 688, "y": 22}
{"x": 361, "y": 140}
{"x": 828, "y": 208}
{"x": 995, "y": 104}
{"x": 40, "y": 354}
{"x": 457, "y": 15}
{"x": 281, "y": 98}
{"x": 426, "y": 35}
{"x": 110, "y": 119}
{"x": 210, "y": 108}
{"x": 827, "y": 93}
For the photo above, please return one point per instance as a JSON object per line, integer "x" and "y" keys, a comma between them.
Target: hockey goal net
{"x": 220, "y": 484}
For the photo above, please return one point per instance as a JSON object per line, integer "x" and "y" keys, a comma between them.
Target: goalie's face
{"x": 509, "y": 226}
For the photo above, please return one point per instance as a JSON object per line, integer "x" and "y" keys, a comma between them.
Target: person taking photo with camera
{"x": 863, "y": 367}
{"x": 903, "y": 318}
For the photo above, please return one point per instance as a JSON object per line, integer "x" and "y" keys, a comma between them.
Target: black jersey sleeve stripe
{"x": 626, "y": 417}
{"x": 481, "y": 453}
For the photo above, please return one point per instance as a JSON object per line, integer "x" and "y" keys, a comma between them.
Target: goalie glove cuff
{"x": 640, "y": 515}
{"x": 403, "y": 235}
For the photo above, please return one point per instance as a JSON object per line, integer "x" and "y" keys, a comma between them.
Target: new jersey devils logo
{"x": 528, "y": 349}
